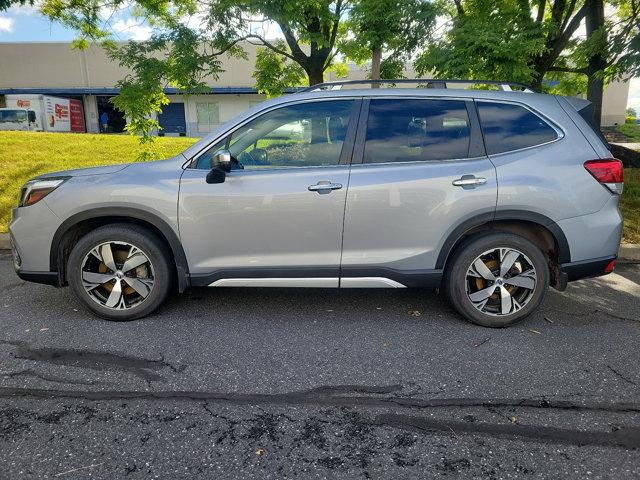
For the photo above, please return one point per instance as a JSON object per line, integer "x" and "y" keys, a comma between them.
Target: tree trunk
{"x": 315, "y": 75}
{"x": 376, "y": 60}
{"x": 594, "y": 20}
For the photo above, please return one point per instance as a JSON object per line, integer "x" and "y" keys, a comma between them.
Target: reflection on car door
{"x": 282, "y": 216}
{"x": 419, "y": 167}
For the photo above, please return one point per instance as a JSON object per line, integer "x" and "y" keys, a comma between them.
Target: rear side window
{"x": 509, "y": 127}
{"x": 416, "y": 130}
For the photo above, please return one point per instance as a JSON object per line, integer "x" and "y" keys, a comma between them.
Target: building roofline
{"x": 115, "y": 91}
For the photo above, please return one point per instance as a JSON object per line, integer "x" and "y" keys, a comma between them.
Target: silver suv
{"x": 492, "y": 195}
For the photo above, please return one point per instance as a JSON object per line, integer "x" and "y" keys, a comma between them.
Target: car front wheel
{"x": 121, "y": 272}
{"x": 497, "y": 279}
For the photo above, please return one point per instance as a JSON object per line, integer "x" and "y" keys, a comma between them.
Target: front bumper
{"x": 48, "y": 278}
{"x": 31, "y": 232}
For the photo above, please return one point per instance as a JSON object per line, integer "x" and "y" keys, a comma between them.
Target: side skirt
{"x": 348, "y": 277}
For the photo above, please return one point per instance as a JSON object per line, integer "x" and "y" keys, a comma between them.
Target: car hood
{"x": 84, "y": 171}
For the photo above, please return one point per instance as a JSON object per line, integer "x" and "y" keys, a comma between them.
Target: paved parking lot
{"x": 320, "y": 384}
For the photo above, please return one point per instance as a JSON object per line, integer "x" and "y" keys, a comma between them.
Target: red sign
{"x": 77, "y": 116}
{"x": 23, "y": 103}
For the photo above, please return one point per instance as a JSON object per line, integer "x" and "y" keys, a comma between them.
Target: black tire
{"x": 458, "y": 284}
{"x": 150, "y": 245}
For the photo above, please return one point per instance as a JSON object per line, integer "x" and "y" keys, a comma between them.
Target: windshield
{"x": 13, "y": 116}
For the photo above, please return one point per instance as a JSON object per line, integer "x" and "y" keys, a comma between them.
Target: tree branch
{"x": 567, "y": 70}
{"x": 269, "y": 45}
{"x": 541, "y": 6}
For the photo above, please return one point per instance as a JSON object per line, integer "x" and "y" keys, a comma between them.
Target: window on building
{"x": 416, "y": 130}
{"x": 208, "y": 114}
{"x": 508, "y": 127}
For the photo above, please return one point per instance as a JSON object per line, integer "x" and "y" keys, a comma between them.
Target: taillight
{"x": 610, "y": 266}
{"x": 608, "y": 171}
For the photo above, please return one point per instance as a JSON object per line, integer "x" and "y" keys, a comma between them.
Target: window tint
{"x": 303, "y": 135}
{"x": 204, "y": 160}
{"x": 511, "y": 127}
{"x": 414, "y": 129}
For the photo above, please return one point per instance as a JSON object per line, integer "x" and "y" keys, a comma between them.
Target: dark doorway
{"x": 115, "y": 121}
{"x": 172, "y": 120}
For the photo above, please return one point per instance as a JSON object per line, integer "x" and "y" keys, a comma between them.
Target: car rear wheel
{"x": 121, "y": 272}
{"x": 497, "y": 279}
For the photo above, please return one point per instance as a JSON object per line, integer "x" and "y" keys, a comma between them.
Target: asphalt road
{"x": 265, "y": 383}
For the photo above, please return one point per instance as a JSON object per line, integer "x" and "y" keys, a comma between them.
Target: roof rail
{"x": 430, "y": 83}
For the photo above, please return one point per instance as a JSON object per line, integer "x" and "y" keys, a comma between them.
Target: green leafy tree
{"x": 5, "y": 4}
{"x": 190, "y": 39}
{"x": 397, "y": 27}
{"x": 536, "y": 40}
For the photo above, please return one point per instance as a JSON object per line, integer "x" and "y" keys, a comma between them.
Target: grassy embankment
{"x": 26, "y": 154}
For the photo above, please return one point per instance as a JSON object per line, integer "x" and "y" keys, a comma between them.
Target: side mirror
{"x": 222, "y": 160}
{"x": 221, "y": 165}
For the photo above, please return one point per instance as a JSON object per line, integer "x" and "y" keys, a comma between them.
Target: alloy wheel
{"x": 501, "y": 281}
{"x": 117, "y": 275}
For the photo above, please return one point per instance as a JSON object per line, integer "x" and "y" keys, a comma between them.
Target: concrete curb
{"x": 628, "y": 253}
{"x": 5, "y": 244}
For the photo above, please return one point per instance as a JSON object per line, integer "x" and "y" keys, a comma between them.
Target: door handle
{"x": 324, "y": 186}
{"x": 469, "y": 181}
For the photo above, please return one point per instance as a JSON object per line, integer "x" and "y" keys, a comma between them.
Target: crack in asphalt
{"x": 48, "y": 378}
{"x": 95, "y": 360}
{"x": 620, "y": 375}
{"x": 321, "y": 396}
{"x": 624, "y": 437}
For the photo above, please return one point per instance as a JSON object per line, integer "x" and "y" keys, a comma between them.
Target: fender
{"x": 165, "y": 229}
{"x": 564, "y": 254}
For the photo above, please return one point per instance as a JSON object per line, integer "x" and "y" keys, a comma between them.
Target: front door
{"x": 421, "y": 171}
{"x": 278, "y": 221}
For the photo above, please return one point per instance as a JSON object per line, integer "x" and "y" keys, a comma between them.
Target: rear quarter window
{"x": 507, "y": 127}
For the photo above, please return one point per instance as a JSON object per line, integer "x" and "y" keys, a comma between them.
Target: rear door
{"x": 419, "y": 172}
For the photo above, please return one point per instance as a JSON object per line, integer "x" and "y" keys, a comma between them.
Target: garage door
{"x": 172, "y": 119}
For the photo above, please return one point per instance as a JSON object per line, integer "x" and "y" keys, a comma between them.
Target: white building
{"x": 53, "y": 68}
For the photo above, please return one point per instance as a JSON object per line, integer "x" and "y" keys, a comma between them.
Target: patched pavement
{"x": 266, "y": 383}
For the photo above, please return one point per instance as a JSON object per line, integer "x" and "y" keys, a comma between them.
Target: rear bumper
{"x": 584, "y": 269}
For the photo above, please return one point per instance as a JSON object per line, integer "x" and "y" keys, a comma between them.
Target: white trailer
{"x": 52, "y": 114}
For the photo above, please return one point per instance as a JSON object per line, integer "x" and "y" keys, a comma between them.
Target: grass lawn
{"x": 26, "y": 154}
{"x": 630, "y": 205}
{"x": 630, "y": 130}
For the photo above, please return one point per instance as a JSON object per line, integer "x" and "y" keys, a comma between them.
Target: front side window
{"x": 508, "y": 127}
{"x": 303, "y": 135}
{"x": 416, "y": 130}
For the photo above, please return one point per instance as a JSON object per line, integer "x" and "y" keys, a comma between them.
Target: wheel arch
{"x": 74, "y": 227}
{"x": 539, "y": 229}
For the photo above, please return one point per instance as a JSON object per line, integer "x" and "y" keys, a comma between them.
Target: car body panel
{"x": 398, "y": 214}
{"x": 262, "y": 219}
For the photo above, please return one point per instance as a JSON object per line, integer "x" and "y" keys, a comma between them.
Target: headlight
{"x": 35, "y": 190}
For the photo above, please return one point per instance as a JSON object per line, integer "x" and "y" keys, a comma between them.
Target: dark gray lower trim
{"x": 408, "y": 278}
{"x": 48, "y": 278}
{"x": 586, "y": 268}
{"x": 206, "y": 279}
